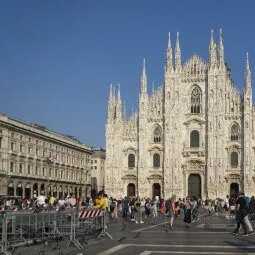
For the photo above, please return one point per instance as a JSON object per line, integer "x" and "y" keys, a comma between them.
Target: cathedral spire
{"x": 124, "y": 110}
{"x": 111, "y": 104}
{"x": 119, "y": 104}
{"x": 247, "y": 64}
{"x": 110, "y": 96}
{"x": 119, "y": 99}
{"x": 169, "y": 60}
{"x": 177, "y": 54}
{"x": 221, "y": 52}
{"x": 247, "y": 73}
{"x": 212, "y": 52}
{"x": 113, "y": 96}
{"x": 144, "y": 79}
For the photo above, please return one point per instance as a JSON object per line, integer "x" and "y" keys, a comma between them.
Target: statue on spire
{"x": 247, "y": 73}
{"x": 111, "y": 103}
{"x": 119, "y": 105}
{"x": 212, "y": 52}
{"x": 177, "y": 55}
{"x": 221, "y": 52}
{"x": 144, "y": 79}
{"x": 169, "y": 61}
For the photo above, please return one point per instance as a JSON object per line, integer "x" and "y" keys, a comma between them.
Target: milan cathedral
{"x": 194, "y": 135}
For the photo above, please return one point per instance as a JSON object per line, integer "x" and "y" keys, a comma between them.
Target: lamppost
{"x": 49, "y": 161}
{"x": 86, "y": 181}
{"x": 81, "y": 182}
{"x": 7, "y": 184}
{"x": 7, "y": 181}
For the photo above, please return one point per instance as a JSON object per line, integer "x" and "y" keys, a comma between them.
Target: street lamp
{"x": 86, "y": 180}
{"x": 81, "y": 181}
{"x": 49, "y": 161}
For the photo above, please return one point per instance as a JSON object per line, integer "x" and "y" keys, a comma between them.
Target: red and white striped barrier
{"x": 88, "y": 214}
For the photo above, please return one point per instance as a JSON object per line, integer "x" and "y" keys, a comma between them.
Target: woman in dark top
{"x": 187, "y": 214}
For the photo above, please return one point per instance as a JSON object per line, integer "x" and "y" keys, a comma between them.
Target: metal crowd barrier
{"x": 22, "y": 228}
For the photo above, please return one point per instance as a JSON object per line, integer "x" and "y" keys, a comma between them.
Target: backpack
{"x": 246, "y": 200}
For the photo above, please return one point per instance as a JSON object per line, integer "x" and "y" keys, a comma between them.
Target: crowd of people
{"x": 44, "y": 203}
{"x": 138, "y": 209}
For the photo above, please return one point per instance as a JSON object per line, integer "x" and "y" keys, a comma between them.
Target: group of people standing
{"x": 139, "y": 208}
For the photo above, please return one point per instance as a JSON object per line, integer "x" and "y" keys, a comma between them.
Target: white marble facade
{"x": 193, "y": 135}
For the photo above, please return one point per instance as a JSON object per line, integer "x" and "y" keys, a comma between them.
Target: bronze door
{"x": 194, "y": 185}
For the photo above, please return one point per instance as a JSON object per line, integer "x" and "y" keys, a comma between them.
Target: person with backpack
{"x": 246, "y": 218}
{"x": 242, "y": 211}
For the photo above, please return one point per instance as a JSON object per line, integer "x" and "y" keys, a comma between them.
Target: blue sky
{"x": 58, "y": 58}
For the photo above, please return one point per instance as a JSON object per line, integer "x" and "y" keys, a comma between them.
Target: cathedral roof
{"x": 195, "y": 66}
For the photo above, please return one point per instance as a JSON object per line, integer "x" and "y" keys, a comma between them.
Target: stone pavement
{"x": 210, "y": 235}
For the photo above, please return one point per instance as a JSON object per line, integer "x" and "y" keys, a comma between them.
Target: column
{"x": 31, "y": 189}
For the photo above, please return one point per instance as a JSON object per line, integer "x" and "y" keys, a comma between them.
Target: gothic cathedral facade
{"x": 194, "y": 135}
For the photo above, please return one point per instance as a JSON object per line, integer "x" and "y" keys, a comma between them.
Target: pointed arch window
{"x": 194, "y": 139}
{"x": 234, "y": 160}
{"x": 131, "y": 160}
{"x": 196, "y": 100}
{"x": 235, "y": 133}
{"x": 156, "y": 160}
{"x": 157, "y": 135}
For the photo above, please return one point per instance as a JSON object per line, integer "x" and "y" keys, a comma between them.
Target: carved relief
{"x": 194, "y": 165}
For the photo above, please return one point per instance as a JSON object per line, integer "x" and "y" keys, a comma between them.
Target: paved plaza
{"x": 210, "y": 235}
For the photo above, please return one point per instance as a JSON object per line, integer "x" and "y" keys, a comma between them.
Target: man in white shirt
{"x": 40, "y": 200}
{"x": 61, "y": 204}
{"x": 72, "y": 200}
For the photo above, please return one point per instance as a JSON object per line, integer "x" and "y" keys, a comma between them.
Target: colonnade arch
{"x": 31, "y": 189}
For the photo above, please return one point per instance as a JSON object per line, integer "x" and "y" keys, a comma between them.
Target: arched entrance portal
{"x": 234, "y": 189}
{"x": 194, "y": 185}
{"x": 131, "y": 190}
{"x": 156, "y": 190}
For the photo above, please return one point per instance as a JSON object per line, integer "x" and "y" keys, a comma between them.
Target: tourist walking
{"x": 154, "y": 208}
{"x": 241, "y": 213}
{"x": 114, "y": 208}
{"x": 138, "y": 211}
{"x": 187, "y": 212}
{"x": 172, "y": 210}
{"x": 132, "y": 209}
